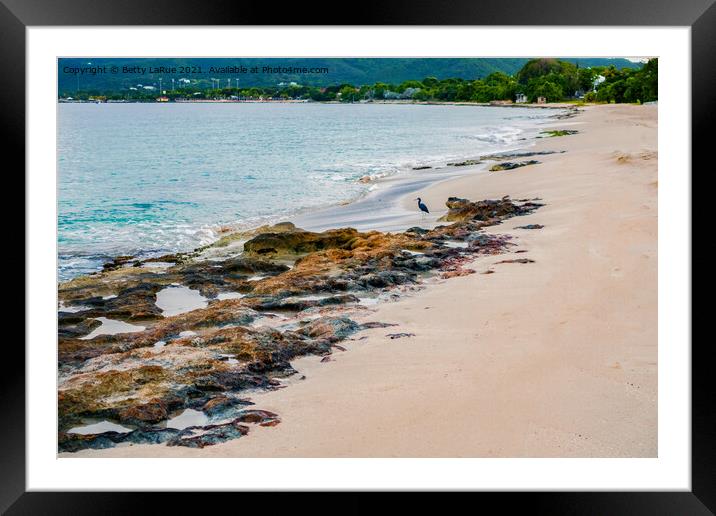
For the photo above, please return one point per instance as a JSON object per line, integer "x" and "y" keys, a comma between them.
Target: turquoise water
{"x": 145, "y": 179}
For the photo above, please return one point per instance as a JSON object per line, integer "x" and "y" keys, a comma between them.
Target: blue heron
{"x": 422, "y": 206}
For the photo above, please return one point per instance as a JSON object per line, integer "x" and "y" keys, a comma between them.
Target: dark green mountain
{"x": 357, "y": 71}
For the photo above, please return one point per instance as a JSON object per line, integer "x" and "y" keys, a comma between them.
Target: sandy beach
{"x": 552, "y": 358}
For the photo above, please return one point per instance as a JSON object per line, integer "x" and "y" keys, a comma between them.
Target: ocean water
{"x": 146, "y": 179}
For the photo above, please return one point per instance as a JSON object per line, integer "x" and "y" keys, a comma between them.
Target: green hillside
{"x": 357, "y": 71}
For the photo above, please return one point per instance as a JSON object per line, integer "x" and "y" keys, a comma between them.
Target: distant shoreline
{"x": 553, "y": 105}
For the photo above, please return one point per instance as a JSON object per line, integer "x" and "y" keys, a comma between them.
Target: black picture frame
{"x": 17, "y": 15}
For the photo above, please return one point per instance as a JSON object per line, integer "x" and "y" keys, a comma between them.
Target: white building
{"x": 599, "y": 79}
{"x": 409, "y": 93}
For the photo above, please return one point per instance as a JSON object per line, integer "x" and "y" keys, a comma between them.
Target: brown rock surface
{"x": 205, "y": 358}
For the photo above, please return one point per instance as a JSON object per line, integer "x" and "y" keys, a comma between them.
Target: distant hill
{"x": 355, "y": 71}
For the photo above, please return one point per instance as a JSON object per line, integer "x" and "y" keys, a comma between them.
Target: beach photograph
{"x": 357, "y": 257}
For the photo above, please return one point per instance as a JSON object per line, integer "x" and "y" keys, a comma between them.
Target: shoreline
{"x": 397, "y": 199}
{"x": 356, "y": 211}
{"x": 551, "y": 105}
{"x": 551, "y": 358}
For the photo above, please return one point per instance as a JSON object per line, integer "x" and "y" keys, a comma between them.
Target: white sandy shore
{"x": 556, "y": 358}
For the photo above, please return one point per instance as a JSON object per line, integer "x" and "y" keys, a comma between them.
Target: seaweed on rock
{"x": 211, "y": 358}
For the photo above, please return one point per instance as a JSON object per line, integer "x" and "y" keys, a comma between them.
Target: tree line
{"x": 553, "y": 79}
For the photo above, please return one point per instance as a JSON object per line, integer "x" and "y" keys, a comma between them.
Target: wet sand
{"x": 384, "y": 209}
{"x": 556, "y": 358}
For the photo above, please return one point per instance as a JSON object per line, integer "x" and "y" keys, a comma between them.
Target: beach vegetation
{"x": 552, "y": 79}
{"x": 546, "y": 86}
{"x": 630, "y": 86}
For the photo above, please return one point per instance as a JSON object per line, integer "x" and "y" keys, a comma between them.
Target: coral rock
{"x": 463, "y": 210}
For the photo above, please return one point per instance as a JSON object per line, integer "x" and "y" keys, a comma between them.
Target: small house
{"x": 597, "y": 81}
{"x": 541, "y": 100}
{"x": 409, "y": 93}
{"x": 521, "y": 98}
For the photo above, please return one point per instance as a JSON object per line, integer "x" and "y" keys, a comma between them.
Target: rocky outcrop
{"x": 569, "y": 113}
{"x": 511, "y": 165}
{"x": 466, "y": 163}
{"x": 518, "y": 260}
{"x": 217, "y": 314}
{"x": 142, "y": 414}
{"x": 208, "y": 359}
{"x": 513, "y": 155}
{"x": 208, "y": 435}
{"x": 297, "y": 304}
{"x": 144, "y": 386}
{"x": 490, "y": 211}
{"x": 72, "y": 326}
{"x": 221, "y": 406}
{"x": 558, "y": 132}
{"x": 192, "y": 437}
{"x": 297, "y": 243}
{"x": 118, "y": 262}
{"x": 241, "y": 236}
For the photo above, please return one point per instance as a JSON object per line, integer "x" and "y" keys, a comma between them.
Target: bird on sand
{"x": 422, "y": 206}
